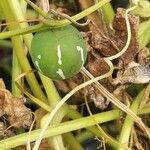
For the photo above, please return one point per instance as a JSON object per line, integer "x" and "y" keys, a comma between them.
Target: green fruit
{"x": 58, "y": 53}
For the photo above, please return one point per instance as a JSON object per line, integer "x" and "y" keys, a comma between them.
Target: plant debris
{"x": 14, "y": 109}
{"x": 134, "y": 73}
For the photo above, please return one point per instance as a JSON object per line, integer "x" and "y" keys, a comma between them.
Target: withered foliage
{"x": 13, "y": 109}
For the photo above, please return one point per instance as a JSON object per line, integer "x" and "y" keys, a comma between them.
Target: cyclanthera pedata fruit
{"x": 58, "y": 53}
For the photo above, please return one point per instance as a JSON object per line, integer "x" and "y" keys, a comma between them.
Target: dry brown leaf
{"x": 97, "y": 66}
{"x": 134, "y": 73}
{"x": 94, "y": 95}
{"x": 18, "y": 115}
{"x": 121, "y": 36}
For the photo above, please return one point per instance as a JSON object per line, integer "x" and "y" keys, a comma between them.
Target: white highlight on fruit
{"x": 59, "y": 54}
{"x": 37, "y": 64}
{"x": 39, "y": 56}
{"x": 61, "y": 74}
{"x": 80, "y": 49}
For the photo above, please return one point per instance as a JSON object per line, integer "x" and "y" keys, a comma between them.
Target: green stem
{"x": 64, "y": 127}
{"x": 108, "y": 13}
{"x": 23, "y": 6}
{"x": 53, "y": 98}
{"x": 31, "y": 14}
{"x": 17, "y": 14}
{"x": 145, "y": 110}
{"x": 61, "y": 128}
{"x": 19, "y": 51}
{"x": 35, "y": 7}
{"x": 52, "y": 24}
{"x": 128, "y": 123}
{"x": 75, "y": 115}
{"x": 72, "y": 141}
{"x": 15, "y": 32}
{"x": 16, "y": 71}
{"x": 84, "y": 135}
{"x": 51, "y": 91}
{"x": 16, "y": 68}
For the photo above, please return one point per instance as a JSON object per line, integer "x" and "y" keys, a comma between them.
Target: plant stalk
{"x": 128, "y": 122}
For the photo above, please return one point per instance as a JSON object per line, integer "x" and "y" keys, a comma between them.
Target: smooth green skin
{"x": 45, "y": 44}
